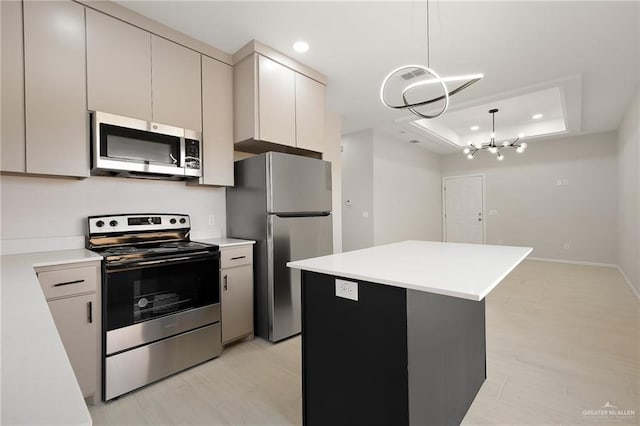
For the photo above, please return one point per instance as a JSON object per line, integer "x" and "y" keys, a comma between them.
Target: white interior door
{"x": 464, "y": 209}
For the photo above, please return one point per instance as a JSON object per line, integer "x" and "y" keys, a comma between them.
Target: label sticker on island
{"x": 347, "y": 289}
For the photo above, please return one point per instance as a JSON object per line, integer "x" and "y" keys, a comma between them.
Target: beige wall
{"x": 629, "y": 195}
{"x": 406, "y": 192}
{"x": 333, "y": 139}
{"x": 393, "y": 188}
{"x": 357, "y": 187}
{"x": 533, "y": 211}
{"x": 40, "y": 213}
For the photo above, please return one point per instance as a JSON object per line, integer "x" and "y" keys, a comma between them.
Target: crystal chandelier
{"x": 492, "y": 146}
{"x": 398, "y": 91}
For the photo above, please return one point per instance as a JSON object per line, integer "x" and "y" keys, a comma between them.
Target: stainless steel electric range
{"x": 160, "y": 298}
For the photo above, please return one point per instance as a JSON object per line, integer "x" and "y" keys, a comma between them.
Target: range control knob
{"x": 100, "y": 223}
{"x": 113, "y": 223}
{"x": 183, "y": 220}
{"x": 173, "y": 221}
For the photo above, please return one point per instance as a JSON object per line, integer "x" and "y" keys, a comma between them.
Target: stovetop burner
{"x": 133, "y": 237}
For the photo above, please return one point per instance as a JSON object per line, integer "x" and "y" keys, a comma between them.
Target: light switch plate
{"x": 347, "y": 289}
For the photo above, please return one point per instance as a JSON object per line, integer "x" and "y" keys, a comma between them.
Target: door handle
{"x": 90, "y": 312}
{"x": 226, "y": 281}
{"x": 479, "y": 219}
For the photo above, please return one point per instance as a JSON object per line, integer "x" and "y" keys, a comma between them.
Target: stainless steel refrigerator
{"x": 283, "y": 202}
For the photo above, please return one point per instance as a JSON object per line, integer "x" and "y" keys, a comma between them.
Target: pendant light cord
{"x": 428, "y": 46}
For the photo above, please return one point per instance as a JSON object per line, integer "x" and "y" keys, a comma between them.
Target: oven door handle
{"x": 117, "y": 267}
{"x": 155, "y": 262}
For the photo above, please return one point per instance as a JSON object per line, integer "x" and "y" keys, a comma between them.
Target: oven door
{"x": 149, "y": 300}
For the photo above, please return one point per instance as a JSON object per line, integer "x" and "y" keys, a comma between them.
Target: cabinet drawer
{"x": 236, "y": 256}
{"x": 67, "y": 282}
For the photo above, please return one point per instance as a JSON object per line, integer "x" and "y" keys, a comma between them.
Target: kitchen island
{"x": 395, "y": 334}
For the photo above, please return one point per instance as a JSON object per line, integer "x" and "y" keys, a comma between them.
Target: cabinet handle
{"x": 90, "y": 311}
{"x": 238, "y": 257}
{"x": 226, "y": 286}
{"x": 68, "y": 282}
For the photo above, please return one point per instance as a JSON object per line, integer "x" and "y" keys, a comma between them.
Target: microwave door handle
{"x": 183, "y": 161}
{"x": 175, "y": 161}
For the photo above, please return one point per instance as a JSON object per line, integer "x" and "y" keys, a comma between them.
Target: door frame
{"x": 484, "y": 203}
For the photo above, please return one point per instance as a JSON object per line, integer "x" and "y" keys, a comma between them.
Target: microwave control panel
{"x": 192, "y": 154}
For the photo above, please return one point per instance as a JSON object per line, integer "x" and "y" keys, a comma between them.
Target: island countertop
{"x": 468, "y": 271}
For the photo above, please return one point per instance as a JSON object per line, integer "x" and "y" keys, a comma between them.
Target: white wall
{"x": 407, "y": 201}
{"x": 357, "y": 187}
{"x": 629, "y": 195}
{"x": 41, "y": 213}
{"x": 333, "y": 139}
{"x": 533, "y": 211}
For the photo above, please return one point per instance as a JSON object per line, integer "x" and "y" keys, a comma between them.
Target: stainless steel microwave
{"x": 137, "y": 148}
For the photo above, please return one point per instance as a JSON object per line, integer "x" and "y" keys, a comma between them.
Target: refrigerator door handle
{"x": 302, "y": 214}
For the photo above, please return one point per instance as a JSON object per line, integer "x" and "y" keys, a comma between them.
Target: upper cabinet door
{"x": 276, "y": 100}
{"x": 310, "y": 110}
{"x": 118, "y": 67}
{"x": 57, "y": 139}
{"x": 176, "y": 82}
{"x": 12, "y": 141}
{"x": 217, "y": 123}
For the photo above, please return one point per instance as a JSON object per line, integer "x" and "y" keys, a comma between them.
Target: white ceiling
{"x": 517, "y": 45}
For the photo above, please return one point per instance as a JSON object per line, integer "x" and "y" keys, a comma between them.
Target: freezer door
{"x": 292, "y": 238}
{"x": 297, "y": 184}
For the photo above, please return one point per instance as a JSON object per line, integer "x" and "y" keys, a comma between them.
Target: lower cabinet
{"x": 236, "y": 270}
{"x": 72, "y": 292}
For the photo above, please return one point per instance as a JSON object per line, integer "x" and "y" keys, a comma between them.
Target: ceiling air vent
{"x": 413, "y": 74}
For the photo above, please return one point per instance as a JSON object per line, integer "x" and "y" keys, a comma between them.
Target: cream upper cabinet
{"x": 276, "y": 102}
{"x": 13, "y": 144}
{"x": 118, "y": 67}
{"x": 310, "y": 110}
{"x": 217, "y": 123}
{"x": 55, "y": 88}
{"x": 176, "y": 82}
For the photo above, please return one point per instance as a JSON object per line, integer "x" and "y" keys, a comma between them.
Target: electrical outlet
{"x": 566, "y": 246}
{"x": 212, "y": 220}
{"x": 347, "y": 289}
{"x": 365, "y": 214}
{"x": 565, "y": 182}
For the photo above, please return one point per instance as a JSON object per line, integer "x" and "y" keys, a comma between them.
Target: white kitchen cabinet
{"x": 13, "y": 127}
{"x": 236, "y": 273}
{"x": 72, "y": 292}
{"x": 176, "y": 82}
{"x": 310, "y": 112}
{"x": 278, "y": 106}
{"x": 217, "y": 123}
{"x": 118, "y": 67}
{"x": 55, "y": 88}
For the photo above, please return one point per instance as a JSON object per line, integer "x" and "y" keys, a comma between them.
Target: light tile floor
{"x": 562, "y": 341}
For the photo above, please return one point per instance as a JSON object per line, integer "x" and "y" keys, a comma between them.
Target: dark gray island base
{"x": 395, "y": 356}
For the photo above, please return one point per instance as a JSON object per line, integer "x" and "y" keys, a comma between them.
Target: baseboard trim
{"x": 579, "y": 262}
{"x": 574, "y": 262}
{"x": 626, "y": 278}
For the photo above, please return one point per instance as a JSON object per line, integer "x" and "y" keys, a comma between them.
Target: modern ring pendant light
{"x": 492, "y": 146}
{"x": 409, "y": 72}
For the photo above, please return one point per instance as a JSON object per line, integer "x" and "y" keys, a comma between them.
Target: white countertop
{"x": 468, "y": 271}
{"x": 38, "y": 384}
{"x": 225, "y": 242}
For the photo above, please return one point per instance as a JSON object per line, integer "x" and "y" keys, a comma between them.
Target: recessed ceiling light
{"x": 301, "y": 46}
{"x": 474, "y": 128}
{"x": 536, "y": 116}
